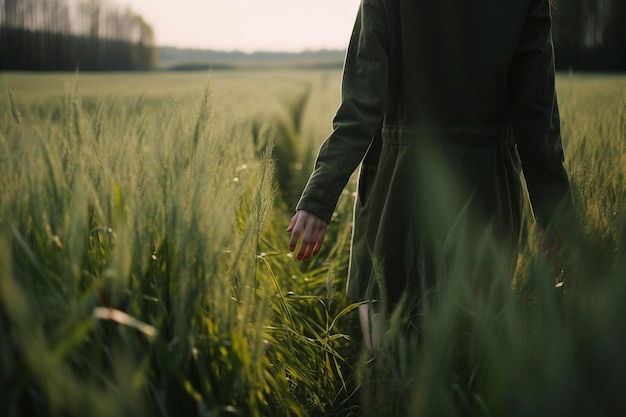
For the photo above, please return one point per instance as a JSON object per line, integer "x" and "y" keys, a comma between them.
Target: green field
{"x": 144, "y": 266}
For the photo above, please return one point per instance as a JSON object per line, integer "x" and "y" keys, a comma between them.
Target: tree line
{"x": 590, "y": 35}
{"x": 73, "y": 34}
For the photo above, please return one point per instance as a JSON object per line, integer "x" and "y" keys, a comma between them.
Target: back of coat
{"x": 450, "y": 60}
{"x": 458, "y": 70}
{"x": 462, "y": 88}
{"x": 474, "y": 64}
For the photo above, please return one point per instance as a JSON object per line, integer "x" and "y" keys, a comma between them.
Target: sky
{"x": 249, "y": 25}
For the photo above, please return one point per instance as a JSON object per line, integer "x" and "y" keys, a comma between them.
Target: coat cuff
{"x": 318, "y": 201}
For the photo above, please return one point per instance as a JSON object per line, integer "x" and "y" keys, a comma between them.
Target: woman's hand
{"x": 312, "y": 230}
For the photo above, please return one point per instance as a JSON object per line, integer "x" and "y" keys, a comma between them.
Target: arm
{"x": 535, "y": 115}
{"x": 364, "y": 94}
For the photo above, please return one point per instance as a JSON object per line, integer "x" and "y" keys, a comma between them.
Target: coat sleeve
{"x": 360, "y": 115}
{"x": 535, "y": 115}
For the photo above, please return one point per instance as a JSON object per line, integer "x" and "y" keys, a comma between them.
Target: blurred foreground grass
{"x": 143, "y": 263}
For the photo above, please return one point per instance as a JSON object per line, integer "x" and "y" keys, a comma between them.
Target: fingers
{"x": 312, "y": 239}
{"x": 293, "y": 222}
{"x": 319, "y": 240}
{"x": 295, "y": 228}
{"x": 310, "y": 229}
{"x": 306, "y": 246}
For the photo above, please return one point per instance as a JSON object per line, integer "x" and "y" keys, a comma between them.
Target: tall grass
{"x": 136, "y": 277}
{"x": 551, "y": 342}
{"x": 143, "y": 264}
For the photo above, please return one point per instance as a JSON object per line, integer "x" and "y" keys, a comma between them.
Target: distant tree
{"x": 615, "y": 34}
{"x": 568, "y": 30}
{"x": 92, "y": 10}
{"x": 590, "y": 34}
{"x": 57, "y": 17}
{"x": 14, "y": 13}
{"x": 145, "y": 51}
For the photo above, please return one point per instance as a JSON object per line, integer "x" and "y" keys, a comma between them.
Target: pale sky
{"x": 247, "y": 25}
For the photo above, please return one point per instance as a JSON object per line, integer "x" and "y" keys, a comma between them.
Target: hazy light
{"x": 247, "y": 25}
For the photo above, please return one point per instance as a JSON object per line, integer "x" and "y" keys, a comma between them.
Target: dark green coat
{"x": 443, "y": 102}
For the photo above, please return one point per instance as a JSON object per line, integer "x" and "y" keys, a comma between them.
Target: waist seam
{"x": 447, "y": 134}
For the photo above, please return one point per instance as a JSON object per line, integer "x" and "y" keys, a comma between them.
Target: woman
{"x": 441, "y": 101}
